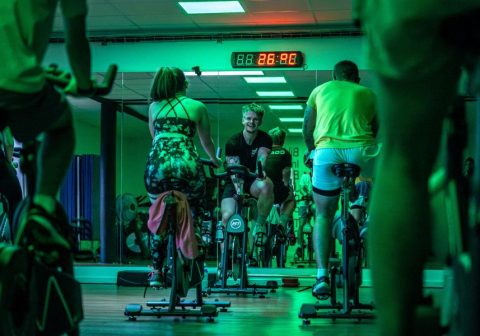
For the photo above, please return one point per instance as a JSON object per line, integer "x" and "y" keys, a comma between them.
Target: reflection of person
{"x": 173, "y": 120}
{"x": 9, "y": 184}
{"x": 417, "y": 76}
{"x": 339, "y": 126}
{"x": 305, "y": 207}
{"x": 30, "y": 106}
{"x": 246, "y": 148}
{"x": 279, "y": 169}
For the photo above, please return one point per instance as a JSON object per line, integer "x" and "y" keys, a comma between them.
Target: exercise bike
{"x": 40, "y": 297}
{"x": 304, "y": 252}
{"x": 276, "y": 245}
{"x": 348, "y": 271}
{"x": 183, "y": 273}
{"x": 235, "y": 244}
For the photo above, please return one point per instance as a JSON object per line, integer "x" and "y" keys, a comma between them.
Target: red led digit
{"x": 283, "y": 58}
{"x": 271, "y": 59}
{"x": 292, "y": 59}
{"x": 261, "y": 59}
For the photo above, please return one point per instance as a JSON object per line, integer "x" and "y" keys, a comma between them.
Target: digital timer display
{"x": 267, "y": 59}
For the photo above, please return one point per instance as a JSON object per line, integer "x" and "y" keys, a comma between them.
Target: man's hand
{"x": 308, "y": 158}
{"x": 73, "y": 89}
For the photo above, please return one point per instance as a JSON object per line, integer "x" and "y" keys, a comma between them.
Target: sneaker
{"x": 155, "y": 279}
{"x": 260, "y": 235}
{"x": 321, "y": 289}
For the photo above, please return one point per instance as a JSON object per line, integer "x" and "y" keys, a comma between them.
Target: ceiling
{"x": 152, "y": 20}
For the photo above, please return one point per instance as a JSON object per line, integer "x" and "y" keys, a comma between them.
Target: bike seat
{"x": 346, "y": 169}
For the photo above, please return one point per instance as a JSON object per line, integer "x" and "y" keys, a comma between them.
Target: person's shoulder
{"x": 366, "y": 91}
{"x": 263, "y": 134}
{"x": 234, "y": 138}
{"x": 194, "y": 102}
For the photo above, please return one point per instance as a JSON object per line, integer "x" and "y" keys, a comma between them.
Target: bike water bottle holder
{"x": 236, "y": 225}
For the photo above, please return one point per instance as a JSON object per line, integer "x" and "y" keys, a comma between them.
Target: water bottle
{"x": 207, "y": 231}
{"x": 219, "y": 232}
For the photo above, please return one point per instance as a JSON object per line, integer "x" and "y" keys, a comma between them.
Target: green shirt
{"x": 344, "y": 115}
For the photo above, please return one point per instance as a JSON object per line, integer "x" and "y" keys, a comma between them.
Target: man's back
{"x": 344, "y": 114}
{"x": 278, "y": 159}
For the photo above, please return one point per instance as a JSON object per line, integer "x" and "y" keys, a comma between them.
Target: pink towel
{"x": 185, "y": 238}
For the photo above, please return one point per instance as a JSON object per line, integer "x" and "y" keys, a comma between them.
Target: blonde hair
{"x": 278, "y": 136}
{"x": 255, "y": 108}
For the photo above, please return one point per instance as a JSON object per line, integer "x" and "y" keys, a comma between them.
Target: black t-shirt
{"x": 278, "y": 159}
{"x": 237, "y": 146}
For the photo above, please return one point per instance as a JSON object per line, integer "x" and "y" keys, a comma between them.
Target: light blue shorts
{"x": 324, "y": 158}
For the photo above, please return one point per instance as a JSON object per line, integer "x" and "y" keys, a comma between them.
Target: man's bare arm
{"x": 309, "y": 121}
{"x": 262, "y": 155}
{"x": 237, "y": 182}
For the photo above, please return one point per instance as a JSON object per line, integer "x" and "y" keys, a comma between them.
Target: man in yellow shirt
{"x": 339, "y": 126}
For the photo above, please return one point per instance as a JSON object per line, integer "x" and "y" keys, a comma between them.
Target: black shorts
{"x": 29, "y": 114}
{"x": 280, "y": 192}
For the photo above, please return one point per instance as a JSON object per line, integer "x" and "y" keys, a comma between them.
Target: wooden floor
{"x": 277, "y": 314}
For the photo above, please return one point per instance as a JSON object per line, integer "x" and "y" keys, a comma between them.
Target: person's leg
{"x": 322, "y": 240}
{"x": 302, "y": 213}
{"x": 228, "y": 207}
{"x": 263, "y": 191}
{"x": 54, "y": 156}
{"x": 411, "y": 119}
{"x": 157, "y": 253}
{"x": 286, "y": 210}
{"x": 52, "y": 124}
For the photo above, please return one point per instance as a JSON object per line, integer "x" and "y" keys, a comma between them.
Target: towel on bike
{"x": 185, "y": 237}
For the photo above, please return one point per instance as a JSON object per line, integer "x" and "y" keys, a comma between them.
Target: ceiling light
{"x": 211, "y": 7}
{"x": 291, "y": 119}
{"x": 226, "y": 73}
{"x": 265, "y": 79}
{"x": 285, "y": 107}
{"x": 275, "y": 93}
{"x": 295, "y": 130}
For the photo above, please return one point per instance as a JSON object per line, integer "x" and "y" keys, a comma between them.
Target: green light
{"x": 211, "y": 7}
{"x": 227, "y": 73}
{"x": 255, "y": 80}
{"x": 275, "y": 93}
{"x": 291, "y": 119}
{"x": 295, "y": 130}
{"x": 285, "y": 107}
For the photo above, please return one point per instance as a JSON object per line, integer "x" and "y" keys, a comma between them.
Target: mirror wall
{"x": 223, "y": 96}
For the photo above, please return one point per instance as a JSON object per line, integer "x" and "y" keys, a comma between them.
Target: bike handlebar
{"x": 239, "y": 170}
{"x": 57, "y": 78}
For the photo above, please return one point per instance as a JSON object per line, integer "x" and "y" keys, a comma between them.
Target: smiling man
{"x": 247, "y": 148}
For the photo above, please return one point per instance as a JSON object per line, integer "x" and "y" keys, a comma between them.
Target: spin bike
{"x": 236, "y": 237}
{"x": 349, "y": 269}
{"x": 276, "y": 245}
{"x": 184, "y": 273}
{"x": 41, "y": 297}
{"x": 305, "y": 235}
